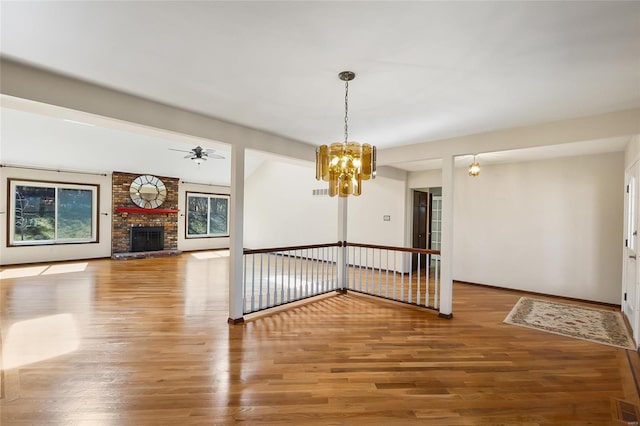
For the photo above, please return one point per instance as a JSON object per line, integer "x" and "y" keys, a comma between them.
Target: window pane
{"x": 34, "y": 213}
{"x": 74, "y": 213}
{"x": 218, "y": 218}
{"x": 197, "y": 215}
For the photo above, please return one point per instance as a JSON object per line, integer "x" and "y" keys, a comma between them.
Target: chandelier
{"x": 345, "y": 164}
{"x": 474, "y": 168}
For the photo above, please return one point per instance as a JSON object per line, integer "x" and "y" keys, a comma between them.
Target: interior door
{"x": 420, "y": 226}
{"x": 630, "y": 293}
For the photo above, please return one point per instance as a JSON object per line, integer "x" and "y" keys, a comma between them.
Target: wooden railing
{"x": 408, "y": 275}
{"x": 280, "y": 275}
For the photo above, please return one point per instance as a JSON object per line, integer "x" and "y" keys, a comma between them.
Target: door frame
{"x": 630, "y": 249}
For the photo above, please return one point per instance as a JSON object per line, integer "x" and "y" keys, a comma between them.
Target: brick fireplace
{"x": 126, "y": 215}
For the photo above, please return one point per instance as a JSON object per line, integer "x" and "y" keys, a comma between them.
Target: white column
{"x": 342, "y": 236}
{"x": 236, "y": 234}
{"x": 446, "y": 243}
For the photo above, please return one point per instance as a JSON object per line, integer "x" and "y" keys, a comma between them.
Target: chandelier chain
{"x": 346, "y": 111}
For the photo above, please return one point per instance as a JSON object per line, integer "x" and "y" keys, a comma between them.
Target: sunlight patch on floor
{"x": 38, "y": 339}
{"x": 210, "y": 254}
{"x": 31, "y": 271}
{"x": 34, "y": 271}
{"x": 66, "y": 268}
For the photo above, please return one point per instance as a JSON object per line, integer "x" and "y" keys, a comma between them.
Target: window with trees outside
{"x": 52, "y": 213}
{"x": 207, "y": 215}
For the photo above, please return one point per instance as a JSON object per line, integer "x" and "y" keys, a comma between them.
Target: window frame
{"x": 208, "y": 196}
{"x": 13, "y": 183}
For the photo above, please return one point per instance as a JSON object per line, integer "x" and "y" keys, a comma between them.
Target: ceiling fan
{"x": 199, "y": 154}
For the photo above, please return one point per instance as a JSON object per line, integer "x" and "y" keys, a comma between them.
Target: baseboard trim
{"x": 534, "y": 293}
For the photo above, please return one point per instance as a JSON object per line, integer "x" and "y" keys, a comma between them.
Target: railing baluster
{"x": 428, "y": 267}
{"x": 318, "y": 271}
{"x": 404, "y": 264}
{"x": 288, "y": 275}
{"x": 437, "y": 281}
{"x": 295, "y": 274}
{"x": 322, "y": 267}
{"x": 261, "y": 279}
{"x": 306, "y": 275}
{"x": 395, "y": 273}
{"x": 244, "y": 284}
{"x": 268, "y": 303}
{"x": 278, "y": 292}
{"x": 379, "y": 273}
{"x": 410, "y": 297}
{"x": 331, "y": 266}
{"x": 419, "y": 270}
{"x": 386, "y": 283}
{"x": 253, "y": 282}
{"x": 357, "y": 268}
{"x": 336, "y": 255}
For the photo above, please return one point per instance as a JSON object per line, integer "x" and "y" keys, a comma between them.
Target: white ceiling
{"x": 425, "y": 70}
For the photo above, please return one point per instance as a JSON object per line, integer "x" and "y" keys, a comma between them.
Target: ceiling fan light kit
{"x": 199, "y": 154}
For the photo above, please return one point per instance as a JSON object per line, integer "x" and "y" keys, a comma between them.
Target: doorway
{"x": 427, "y": 217}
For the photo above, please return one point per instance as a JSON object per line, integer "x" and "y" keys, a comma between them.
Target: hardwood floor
{"x": 146, "y": 342}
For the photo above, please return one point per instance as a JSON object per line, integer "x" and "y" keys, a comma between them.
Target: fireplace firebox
{"x": 147, "y": 238}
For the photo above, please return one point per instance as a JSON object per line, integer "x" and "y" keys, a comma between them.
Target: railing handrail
{"x": 291, "y": 248}
{"x": 407, "y": 249}
{"x": 340, "y": 244}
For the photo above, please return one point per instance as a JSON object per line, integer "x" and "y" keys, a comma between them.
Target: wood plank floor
{"x": 145, "y": 342}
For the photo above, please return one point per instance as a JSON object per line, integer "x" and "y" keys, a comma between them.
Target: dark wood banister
{"x": 291, "y": 248}
{"x": 407, "y": 249}
{"x": 340, "y": 244}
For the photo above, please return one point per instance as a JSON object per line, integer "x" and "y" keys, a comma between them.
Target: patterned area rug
{"x": 595, "y": 325}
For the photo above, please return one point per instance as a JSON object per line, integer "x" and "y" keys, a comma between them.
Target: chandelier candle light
{"x": 345, "y": 165}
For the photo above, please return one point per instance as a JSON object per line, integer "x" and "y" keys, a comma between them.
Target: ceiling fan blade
{"x": 188, "y": 156}
{"x": 179, "y": 150}
{"x": 217, "y": 156}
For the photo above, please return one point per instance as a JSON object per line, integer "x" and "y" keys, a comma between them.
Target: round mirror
{"x": 147, "y": 191}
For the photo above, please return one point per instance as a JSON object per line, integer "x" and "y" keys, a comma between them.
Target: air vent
{"x": 625, "y": 413}
{"x": 318, "y": 192}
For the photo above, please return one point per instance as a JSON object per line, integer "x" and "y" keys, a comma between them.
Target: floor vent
{"x": 625, "y": 413}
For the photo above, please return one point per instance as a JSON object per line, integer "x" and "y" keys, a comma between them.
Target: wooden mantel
{"x": 139, "y": 210}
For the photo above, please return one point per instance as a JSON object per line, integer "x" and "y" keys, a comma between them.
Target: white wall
{"x": 49, "y": 253}
{"x": 551, "y": 226}
{"x": 380, "y": 197}
{"x": 425, "y": 179}
{"x": 280, "y": 210}
{"x": 632, "y": 151}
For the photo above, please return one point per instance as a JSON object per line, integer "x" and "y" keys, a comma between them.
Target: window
{"x": 52, "y": 213}
{"x": 207, "y": 215}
